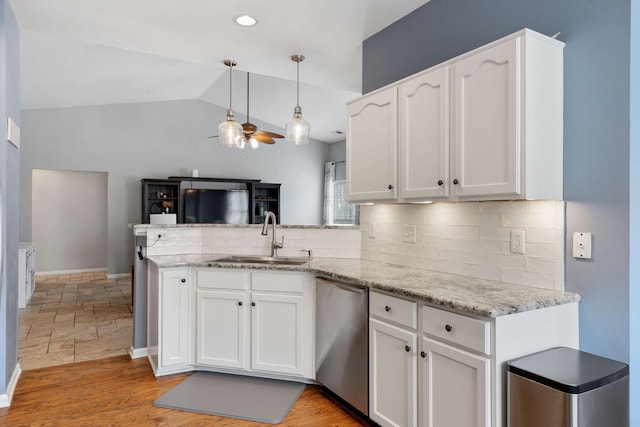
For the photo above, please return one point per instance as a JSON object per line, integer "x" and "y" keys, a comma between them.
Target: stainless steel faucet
{"x": 275, "y": 245}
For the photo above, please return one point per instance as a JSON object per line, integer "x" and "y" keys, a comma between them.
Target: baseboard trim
{"x": 89, "y": 270}
{"x": 137, "y": 353}
{"x": 5, "y": 399}
{"x": 118, "y": 276}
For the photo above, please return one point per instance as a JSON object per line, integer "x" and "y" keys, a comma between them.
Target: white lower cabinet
{"x": 392, "y": 374}
{"x": 26, "y": 273}
{"x": 435, "y": 368}
{"x": 254, "y": 321}
{"x": 169, "y": 322}
{"x": 455, "y": 387}
{"x": 221, "y": 328}
{"x": 276, "y": 333}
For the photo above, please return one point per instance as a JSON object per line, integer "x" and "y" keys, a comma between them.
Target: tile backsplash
{"x": 247, "y": 240}
{"x": 472, "y": 239}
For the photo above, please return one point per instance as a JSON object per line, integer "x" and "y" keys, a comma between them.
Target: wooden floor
{"x": 118, "y": 391}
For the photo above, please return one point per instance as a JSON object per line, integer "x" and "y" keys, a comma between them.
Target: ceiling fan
{"x": 251, "y": 131}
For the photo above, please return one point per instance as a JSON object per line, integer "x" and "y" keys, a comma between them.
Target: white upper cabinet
{"x": 424, "y": 135}
{"x": 508, "y": 120}
{"x": 487, "y": 122}
{"x": 486, "y": 125}
{"x": 372, "y": 147}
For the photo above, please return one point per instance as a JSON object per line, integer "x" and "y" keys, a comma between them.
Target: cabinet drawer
{"x": 221, "y": 279}
{"x": 394, "y": 309}
{"x": 277, "y": 282}
{"x": 464, "y": 331}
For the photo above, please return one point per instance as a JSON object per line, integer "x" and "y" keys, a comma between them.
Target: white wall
{"x": 471, "y": 239}
{"x": 69, "y": 220}
{"x": 157, "y": 140}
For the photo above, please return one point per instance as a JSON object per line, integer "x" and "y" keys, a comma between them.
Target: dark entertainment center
{"x": 210, "y": 200}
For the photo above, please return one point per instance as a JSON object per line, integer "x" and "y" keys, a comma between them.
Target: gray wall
{"x": 70, "y": 220}
{"x": 9, "y": 195}
{"x": 597, "y": 143}
{"x": 157, "y": 140}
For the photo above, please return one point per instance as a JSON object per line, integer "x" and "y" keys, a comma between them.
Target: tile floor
{"x": 73, "y": 318}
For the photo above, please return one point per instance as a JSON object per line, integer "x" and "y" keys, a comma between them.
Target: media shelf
{"x": 264, "y": 197}
{"x": 160, "y": 194}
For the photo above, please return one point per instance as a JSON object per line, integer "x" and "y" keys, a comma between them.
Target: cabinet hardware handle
{"x": 253, "y": 304}
{"x": 183, "y": 280}
{"x": 440, "y": 182}
{"x": 455, "y": 181}
{"x": 387, "y": 308}
{"x": 423, "y": 354}
{"x": 448, "y": 328}
{"x": 407, "y": 348}
{"x": 390, "y": 187}
{"x": 240, "y": 303}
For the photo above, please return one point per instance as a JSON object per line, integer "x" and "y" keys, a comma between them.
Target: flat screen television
{"x": 216, "y": 206}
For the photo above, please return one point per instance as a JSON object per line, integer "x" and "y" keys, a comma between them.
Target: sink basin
{"x": 250, "y": 259}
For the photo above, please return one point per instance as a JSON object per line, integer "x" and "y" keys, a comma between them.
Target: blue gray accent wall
{"x": 598, "y": 135}
{"x": 634, "y": 201}
{"x": 9, "y": 194}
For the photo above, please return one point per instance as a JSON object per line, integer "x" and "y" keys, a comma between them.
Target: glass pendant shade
{"x": 230, "y": 131}
{"x": 297, "y": 128}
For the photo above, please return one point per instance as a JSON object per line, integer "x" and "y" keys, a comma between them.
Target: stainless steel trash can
{"x": 563, "y": 387}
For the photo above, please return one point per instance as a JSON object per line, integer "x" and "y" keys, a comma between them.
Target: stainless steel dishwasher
{"x": 342, "y": 341}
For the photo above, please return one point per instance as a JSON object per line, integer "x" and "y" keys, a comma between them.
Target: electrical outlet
{"x": 517, "y": 241}
{"x": 372, "y": 231}
{"x": 409, "y": 234}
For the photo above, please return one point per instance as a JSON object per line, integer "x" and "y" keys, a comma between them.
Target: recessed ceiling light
{"x": 245, "y": 20}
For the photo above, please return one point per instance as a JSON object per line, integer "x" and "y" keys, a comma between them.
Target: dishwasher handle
{"x": 351, "y": 287}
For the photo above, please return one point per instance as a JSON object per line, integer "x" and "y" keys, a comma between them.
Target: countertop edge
{"x": 553, "y": 298}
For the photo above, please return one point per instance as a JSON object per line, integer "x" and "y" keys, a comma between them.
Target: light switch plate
{"x": 372, "y": 231}
{"x": 582, "y": 245}
{"x": 13, "y": 132}
{"x": 409, "y": 234}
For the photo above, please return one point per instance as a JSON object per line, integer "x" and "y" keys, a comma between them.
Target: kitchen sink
{"x": 251, "y": 259}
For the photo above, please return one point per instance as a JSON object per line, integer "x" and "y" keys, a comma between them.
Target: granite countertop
{"x": 487, "y": 298}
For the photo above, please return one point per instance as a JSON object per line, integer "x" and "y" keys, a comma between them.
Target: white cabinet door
{"x": 221, "y": 328}
{"x": 277, "y": 333}
{"x": 372, "y": 147}
{"x": 455, "y": 387}
{"x": 487, "y": 122}
{"x": 424, "y": 135}
{"x": 392, "y": 375}
{"x": 174, "y": 318}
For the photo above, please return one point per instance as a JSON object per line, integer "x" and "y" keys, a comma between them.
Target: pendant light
{"x": 297, "y": 128}
{"x": 230, "y": 131}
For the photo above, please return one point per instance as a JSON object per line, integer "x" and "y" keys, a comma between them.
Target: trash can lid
{"x": 568, "y": 370}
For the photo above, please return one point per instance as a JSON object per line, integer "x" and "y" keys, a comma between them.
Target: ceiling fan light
{"x": 254, "y": 143}
{"x": 297, "y": 129}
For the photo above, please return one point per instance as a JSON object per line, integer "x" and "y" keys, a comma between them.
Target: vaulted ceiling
{"x": 96, "y": 52}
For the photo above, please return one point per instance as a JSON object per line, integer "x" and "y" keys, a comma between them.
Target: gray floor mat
{"x": 236, "y": 396}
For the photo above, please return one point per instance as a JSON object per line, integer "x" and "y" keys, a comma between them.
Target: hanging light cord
{"x": 230, "y": 84}
{"x": 298, "y": 83}
{"x": 247, "y": 97}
